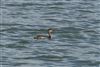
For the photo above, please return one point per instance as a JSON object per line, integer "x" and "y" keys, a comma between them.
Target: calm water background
{"x": 76, "y": 37}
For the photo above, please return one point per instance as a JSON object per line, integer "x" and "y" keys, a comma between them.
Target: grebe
{"x": 45, "y": 36}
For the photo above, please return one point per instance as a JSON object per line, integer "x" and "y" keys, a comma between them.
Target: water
{"x": 76, "y": 36}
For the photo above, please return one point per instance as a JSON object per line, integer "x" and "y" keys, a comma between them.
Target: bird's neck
{"x": 49, "y": 35}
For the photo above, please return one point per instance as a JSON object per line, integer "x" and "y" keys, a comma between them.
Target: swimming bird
{"x": 45, "y": 36}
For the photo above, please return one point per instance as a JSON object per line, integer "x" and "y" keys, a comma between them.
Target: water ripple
{"x": 75, "y": 41}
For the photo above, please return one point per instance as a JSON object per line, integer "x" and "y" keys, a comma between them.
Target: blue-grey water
{"x": 75, "y": 41}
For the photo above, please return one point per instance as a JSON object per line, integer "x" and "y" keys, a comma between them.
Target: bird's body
{"x": 44, "y": 36}
{"x": 40, "y": 37}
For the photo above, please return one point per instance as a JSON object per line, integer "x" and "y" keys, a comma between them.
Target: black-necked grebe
{"x": 44, "y": 36}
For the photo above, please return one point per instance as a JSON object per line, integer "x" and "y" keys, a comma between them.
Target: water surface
{"x": 76, "y": 37}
